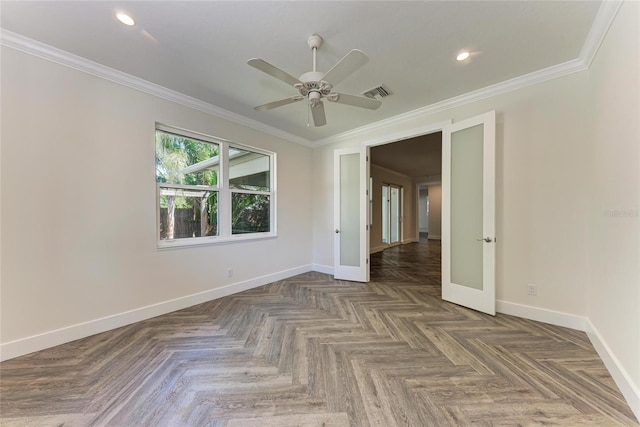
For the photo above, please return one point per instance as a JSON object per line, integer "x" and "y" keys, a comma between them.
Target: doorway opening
{"x": 399, "y": 170}
{"x": 413, "y": 169}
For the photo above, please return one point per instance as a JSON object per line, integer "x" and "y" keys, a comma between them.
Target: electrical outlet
{"x": 229, "y": 272}
{"x": 532, "y": 289}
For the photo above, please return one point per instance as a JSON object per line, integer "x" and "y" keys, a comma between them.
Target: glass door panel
{"x": 349, "y": 210}
{"x": 466, "y": 207}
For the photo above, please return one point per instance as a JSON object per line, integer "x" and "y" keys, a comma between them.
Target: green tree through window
{"x": 190, "y": 194}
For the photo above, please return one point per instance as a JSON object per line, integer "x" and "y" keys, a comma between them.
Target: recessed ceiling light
{"x": 462, "y": 56}
{"x": 125, "y": 19}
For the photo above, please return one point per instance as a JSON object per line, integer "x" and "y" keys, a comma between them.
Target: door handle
{"x": 337, "y": 231}
{"x": 486, "y": 239}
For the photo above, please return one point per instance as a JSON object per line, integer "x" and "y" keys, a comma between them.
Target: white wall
{"x": 613, "y": 283}
{"x": 78, "y": 204}
{"x": 435, "y": 211}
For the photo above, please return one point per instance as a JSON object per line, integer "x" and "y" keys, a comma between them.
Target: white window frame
{"x": 224, "y": 194}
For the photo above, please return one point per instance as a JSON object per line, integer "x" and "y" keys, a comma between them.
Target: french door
{"x": 468, "y": 213}
{"x": 351, "y": 217}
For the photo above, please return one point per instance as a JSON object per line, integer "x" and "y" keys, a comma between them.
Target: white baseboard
{"x": 326, "y": 269}
{"x": 630, "y": 391}
{"x": 23, "y": 346}
{"x": 377, "y": 249}
{"x": 381, "y": 248}
{"x": 557, "y": 318}
{"x": 434, "y": 237}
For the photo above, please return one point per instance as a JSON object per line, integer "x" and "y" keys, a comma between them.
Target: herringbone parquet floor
{"x": 311, "y": 351}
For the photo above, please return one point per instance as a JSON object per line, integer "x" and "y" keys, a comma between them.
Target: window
{"x": 210, "y": 190}
{"x": 249, "y": 180}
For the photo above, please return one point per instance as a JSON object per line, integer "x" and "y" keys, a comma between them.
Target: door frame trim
{"x": 410, "y": 133}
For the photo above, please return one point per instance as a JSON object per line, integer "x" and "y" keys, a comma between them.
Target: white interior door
{"x": 351, "y": 225}
{"x": 468, "y": 213}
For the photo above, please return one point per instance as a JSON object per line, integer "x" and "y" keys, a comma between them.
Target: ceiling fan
{"x": 315, "y": 85}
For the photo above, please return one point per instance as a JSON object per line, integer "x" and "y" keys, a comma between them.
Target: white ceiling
{"x": 200, "y": 48}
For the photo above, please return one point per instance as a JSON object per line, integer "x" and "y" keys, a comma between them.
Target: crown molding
{"x": 516, "y": 83}
{"x": 601, "y": 24}
{"x": 59, "y": 56}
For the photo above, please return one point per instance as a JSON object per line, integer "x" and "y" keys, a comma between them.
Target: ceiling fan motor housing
{"x": 311, "y": 82}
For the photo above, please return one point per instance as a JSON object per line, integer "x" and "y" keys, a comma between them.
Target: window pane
{"x": 248, "y": 170}
{"x": 182, "y": 160}
{"x": 249, "y": 213}
{"x": 385, "y": 214}
{"x": 188, "y": 213}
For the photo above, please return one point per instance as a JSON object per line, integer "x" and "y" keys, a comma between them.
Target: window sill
{"x": 213, "y": 241}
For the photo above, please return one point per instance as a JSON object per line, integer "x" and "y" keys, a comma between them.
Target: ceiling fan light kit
{"x": 315, "y": 85}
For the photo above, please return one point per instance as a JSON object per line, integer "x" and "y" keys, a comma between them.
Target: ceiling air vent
{"x": 380, "y": 91}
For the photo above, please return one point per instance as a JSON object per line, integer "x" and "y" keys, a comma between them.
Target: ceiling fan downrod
{"x": 312, "y": 87}
{"x": 314, "y": 42}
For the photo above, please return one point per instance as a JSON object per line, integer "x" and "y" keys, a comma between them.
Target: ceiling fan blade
{"x": 317, "y": 112}
{"x": 273, "y": 71}
{"x": 280, "y": 103}
{"x": 356, "y": 101}
{"x": 347, "y": 65}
